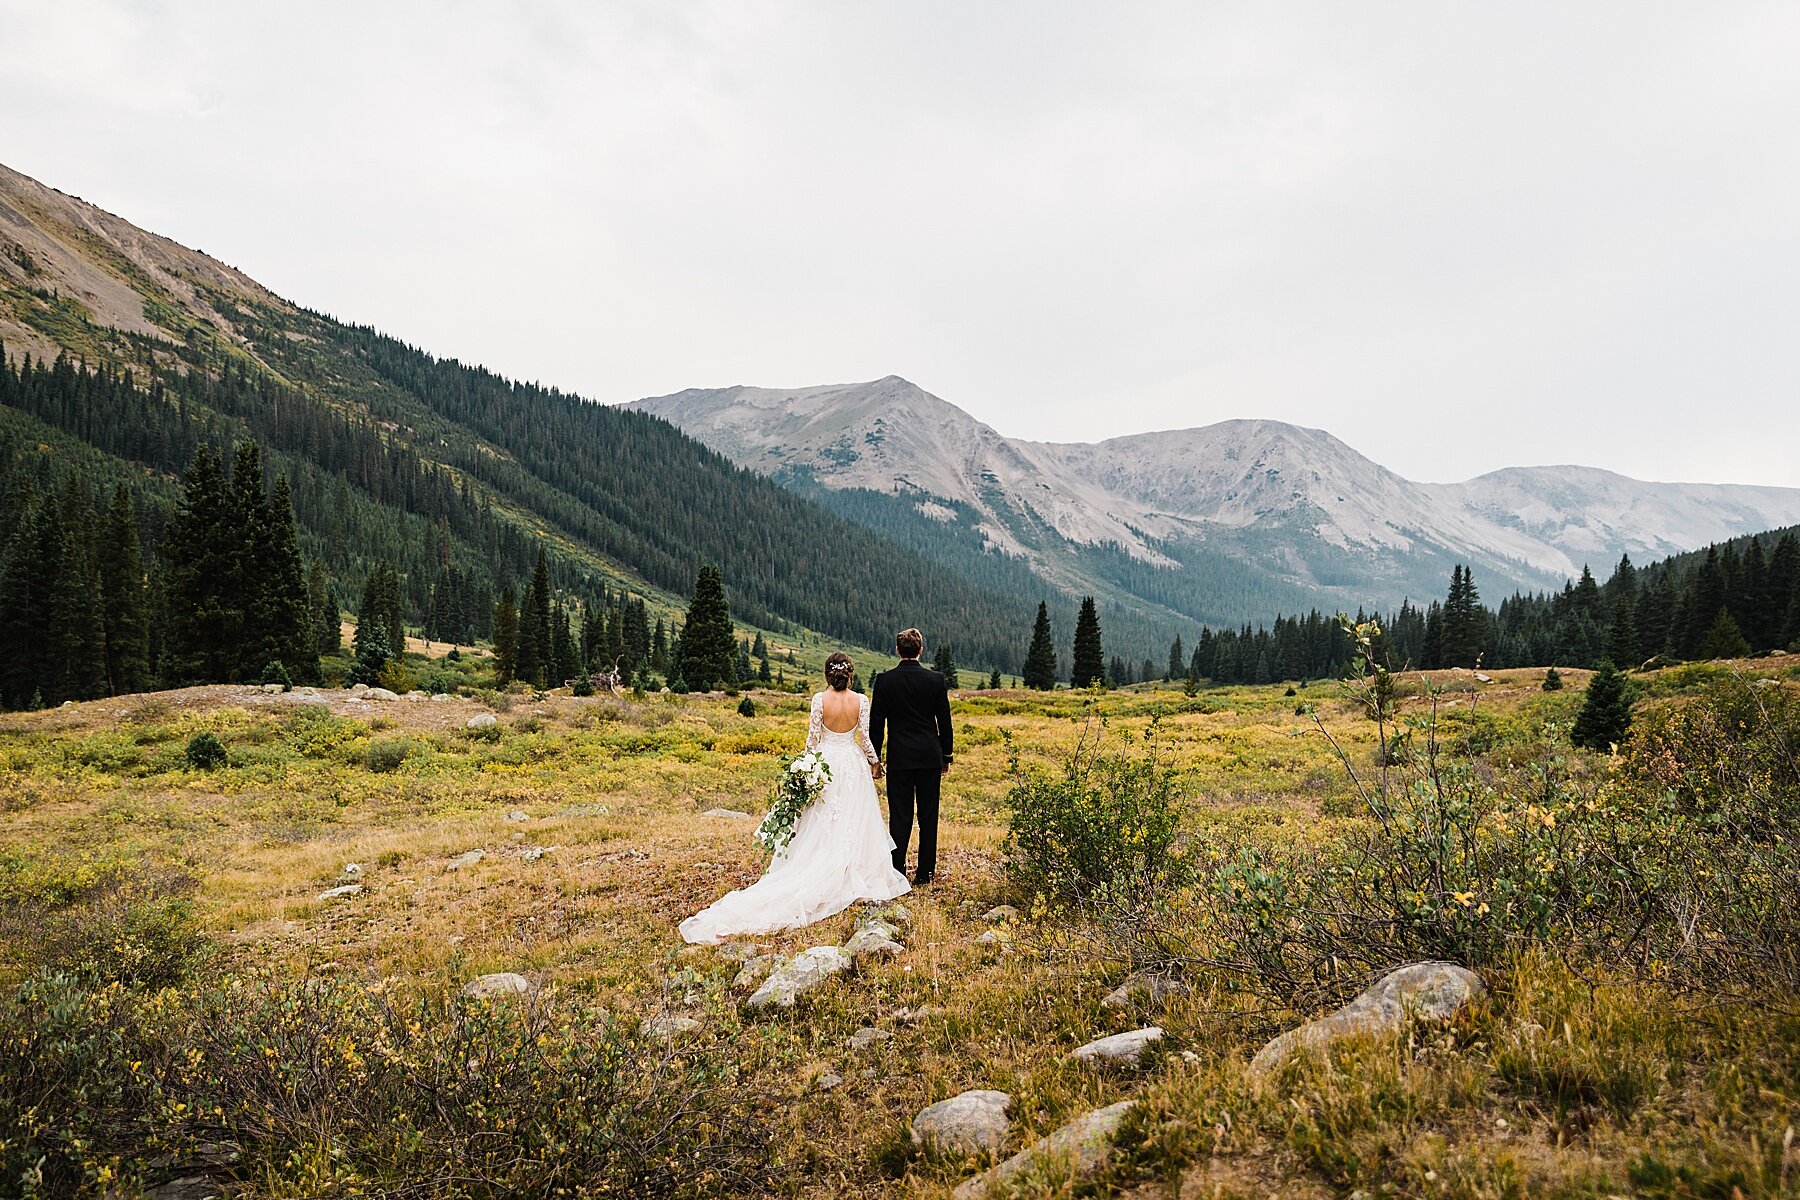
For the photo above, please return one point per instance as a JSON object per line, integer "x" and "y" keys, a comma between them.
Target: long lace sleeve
{"x": 815, "y": 724}
{"x": 862, "y": 734}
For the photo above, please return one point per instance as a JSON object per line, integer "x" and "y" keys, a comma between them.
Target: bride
{"x": 840, "y": 852}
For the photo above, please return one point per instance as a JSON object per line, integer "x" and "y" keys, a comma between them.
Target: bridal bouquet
{"x": 801, "y": 780}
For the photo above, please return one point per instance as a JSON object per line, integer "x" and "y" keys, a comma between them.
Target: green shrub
{"x": 101, "y": 922}
{"x": 1105, "y": 824}
{"x": 386, "y": 754}
{"x": 533, "y": 1096}
{"x": 746, "y": 707}
{"x": 276, "y": 672}
{"x": 584, "y": 685}
{"x": 205, "y": 752}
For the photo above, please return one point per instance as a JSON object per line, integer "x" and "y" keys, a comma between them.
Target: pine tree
{"x": 1088, "y": 662}
{"x": 944, "y": 663}
{"x": 659, "y": 648}
{"x": 202, "y": 553}
{"x": 1724, "y": 639}
{"x": 1178, "y": 663}
{"x": 373, "y": 653}
{"x": 125, "y": 603}
{"x": 280, "y": 621}
{"x": 534, "y": 627}
{"x": 327, "y": 618}
{"x": 506, "y": 637}
{"x": 1040, "y": 659}
{"x": 1621, "y": 632}
{"x": 1553, "y": 680}
{"x": 565, "y": 656}
{"x": 708, "y": 645}
{"x": 994, "y": 679}
{"x": 1605, "y": 714}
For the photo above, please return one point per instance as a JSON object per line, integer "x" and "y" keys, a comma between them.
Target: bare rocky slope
{"x": 1295, "y": 504}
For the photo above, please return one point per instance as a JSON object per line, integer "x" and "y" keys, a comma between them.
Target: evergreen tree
{"x": 994, "y": 679}
{"x": 1088, "y": 661}
{"x": 565, "y": 656}
{"x": 534, "y": 627}
{"x": 659, "y": 648}
{"x": 1553, "y": 680}
{"x": 373, "y": 653}
{"x": 1621, "y": 632}
{"x": 1040, "y": 658}
{"x": 1461, "y": 644}
{"x": 745, "y": 673}
{"x": 1724, "y": 639}
{"x": 708, "y": 645}
{"x": 202, "y": 553}
{"x": 506, "y": 637}
{"x": 327, "y": 620}
{"x": 945, "y": 664}
{"x": 1605, "y": 714}
{"x": 124, "y": 599}
{"x": 1148, "y": 673}
{"x": 1178, "y": 663}
{"x": 280, "y": 621}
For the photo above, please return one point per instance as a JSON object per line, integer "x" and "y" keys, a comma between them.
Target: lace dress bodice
{"x": 816, "y": 733}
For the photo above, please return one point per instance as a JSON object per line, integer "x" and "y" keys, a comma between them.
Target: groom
{"x": 911, "y": 709}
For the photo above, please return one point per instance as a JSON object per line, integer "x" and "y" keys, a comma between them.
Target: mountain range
{"x": 1295, "y": 509}
{"x": 843, "y": 511}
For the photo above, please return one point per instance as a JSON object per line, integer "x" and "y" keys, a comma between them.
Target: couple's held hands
{"x": 876, "y": 770}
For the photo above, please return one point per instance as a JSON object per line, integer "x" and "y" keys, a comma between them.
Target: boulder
{"x": 417, "y": 696}
{"x": 516, "y": 817}
{"x": 666, "y": 1028}
{"x": 1141, "y": 988}
{"x": 358, "y": 689}
{"x": 730, "y": 814}
{"x": 467, "y": 858}
{"x": 1001, "y": 912}
{"x": 380, "y": 694}
{"x": 867, "y": 1036}
{"x": 1083, "y": 1146}
{"x": 994, "y": 937}
{"x": 756, "y": 970}
{"x": 1423, "y": 991}
{"x": 272, "y": 688}
{"x": 806, "y": 972}
{"x": 341, "y": 893}
{"x": 871, "y": 940}
{"x": 740, "y": 952}
{"x": 968, "y": 1123}
{"x": 353, "y": 868}
{"x": 496, "y": 986}
{"x": 1125, "y": 1049}
{"x": 483, "y": 721}
{"x": 535, "y": 852}
{"x": 894, "y": 914}
{"x": 828, "y": 1081}
{"x": 440, "y": 697}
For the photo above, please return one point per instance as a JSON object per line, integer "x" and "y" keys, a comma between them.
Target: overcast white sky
{"x": 1460, "y": 236}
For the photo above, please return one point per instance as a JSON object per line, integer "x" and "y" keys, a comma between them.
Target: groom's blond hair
{"x": 910, "y": 643}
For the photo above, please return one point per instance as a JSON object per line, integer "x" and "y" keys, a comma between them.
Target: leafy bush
{"x": 1105, "y": 824}
{"x": 205, "y": 752}
{"x": 108, "y": 922}
{"x": 386, "y": 754}
{"x": 461, "y": 1098}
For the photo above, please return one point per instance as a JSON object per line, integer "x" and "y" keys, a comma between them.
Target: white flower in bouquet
{"x": 801, "y": 781}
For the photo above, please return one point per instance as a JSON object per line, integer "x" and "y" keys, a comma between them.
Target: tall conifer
{"x": 1088, "y": 661}
{"x": 1040, "y": 658}
{"x": 708, "y": 645}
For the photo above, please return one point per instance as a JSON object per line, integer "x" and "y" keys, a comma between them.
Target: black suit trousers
{"x": 909, "y": 791}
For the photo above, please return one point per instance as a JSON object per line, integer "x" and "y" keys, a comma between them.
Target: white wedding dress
{"x": 840, "y": 853}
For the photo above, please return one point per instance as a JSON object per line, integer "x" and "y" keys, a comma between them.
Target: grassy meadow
{"x": 183, "y": 1003}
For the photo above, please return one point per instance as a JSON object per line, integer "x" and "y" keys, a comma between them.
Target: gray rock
{"x": 740, "y": 952}
{"x": 756, "y": 970}
{"x": 353, "y": 868}
{"x": 342, "y": 893}
{"x": 516, "y": 817}
{"x": 188, "y": 1187}
{"x": 728, "y": 813}
{"x": 994, "y": 937}
{"x": 440, "y": 697}
{"x": 483, "y": 721}
{"x": 1001, "y": 912}
{"x": 968, "y": 1123}
{"x": 380, "y": 694}
{"x": 872, "y": 941}
{"x": 1083, "y": 1146}
{"x": 1424, "y": 991}
{"x": 359, "y": 689}
{"x": 417, "y": 696}
{"x": 828, "y": 1081}
{"x": 886, "y": 929}
{"x": 1144, "y": 989}
{"x": 665, "y": 1028}
{"x": 496, "y": 986}
{"x": 272, "y": 688}
{"x": 467, "y": 858}
{"x": 1124, "y": 1049}
{"x": 536, "y": 852}
{"x": 867, "y": 1036}
{"x": 805, "y": 972}
{"x": 893, "y": 913}
{"x": 916, "y": 1016}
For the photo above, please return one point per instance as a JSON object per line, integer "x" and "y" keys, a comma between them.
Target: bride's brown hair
{"x": 839, "y": 670}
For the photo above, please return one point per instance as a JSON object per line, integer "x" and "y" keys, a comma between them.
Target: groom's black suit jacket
{"x": 911, "y": 709}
